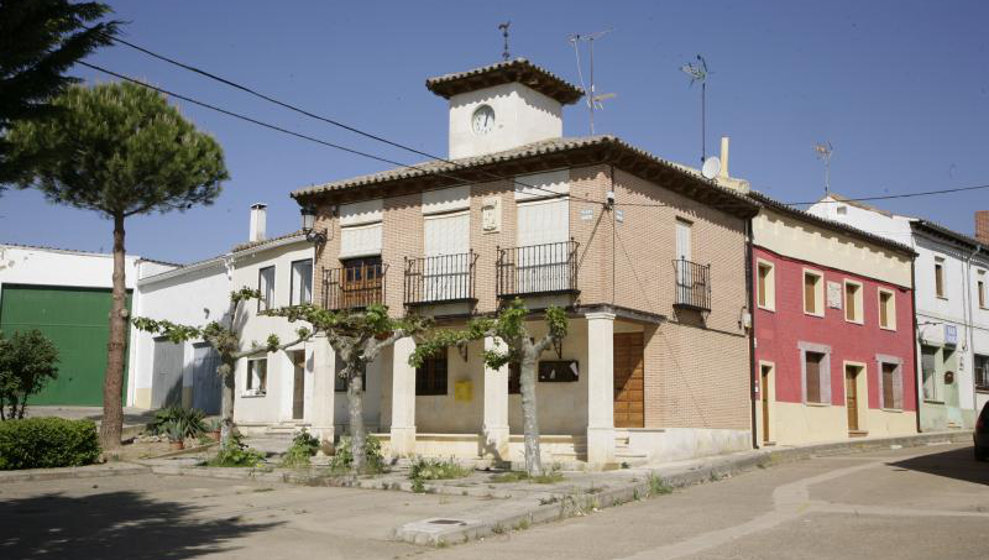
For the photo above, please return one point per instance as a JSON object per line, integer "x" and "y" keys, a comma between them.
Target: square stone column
{"x": 324, "y": 377}
{"x": 600, "y": 388}
{"x": 403, "y": 398}
{"x": 495, "y": 425}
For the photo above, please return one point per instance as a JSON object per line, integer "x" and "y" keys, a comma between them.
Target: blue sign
{"x": 951, "y": 335}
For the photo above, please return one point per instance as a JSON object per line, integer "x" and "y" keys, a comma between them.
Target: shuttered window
{"x": 543, "y": 221}
{"x": 360, "y": 228}
{"x": 853, "y": 302}
{"x": 887, "y": 309}
{"x": 889, "y": 389}
{"x": 813, "y": 293}
{"x": 431, "y": 376}
{"x": 813, "y": 365}
{"x": 766, "y": 286}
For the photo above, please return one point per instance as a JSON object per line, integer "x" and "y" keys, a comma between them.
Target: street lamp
{"x": 308, "y": 223}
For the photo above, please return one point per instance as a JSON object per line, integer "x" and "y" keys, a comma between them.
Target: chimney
{"x": 982, "y": 226}
{"x": 259, "y": 214}
{"x": 724, "y": 157}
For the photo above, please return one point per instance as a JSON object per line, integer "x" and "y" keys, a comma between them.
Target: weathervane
{"x": 698, "y": 73}
{"x": 504, "y": 33}
{"x": 824, "y": 151}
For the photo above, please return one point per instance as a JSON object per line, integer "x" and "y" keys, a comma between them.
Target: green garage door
{"x": 77, "y": 321}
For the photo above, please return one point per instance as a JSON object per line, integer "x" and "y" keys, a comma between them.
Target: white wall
{"x": 522, "y": 116}
{"x": 55, "y": 267}
{"x": 194, "y": 295}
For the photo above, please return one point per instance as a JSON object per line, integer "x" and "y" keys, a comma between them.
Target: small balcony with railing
{"x": 693, "y": 285}
{"x": 440, "y": 279}
{"x": 354, "y": 286}
{"x": 547, "y": 269}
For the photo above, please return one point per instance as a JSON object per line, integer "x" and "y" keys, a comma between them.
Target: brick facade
{"x": 982, "y": 226}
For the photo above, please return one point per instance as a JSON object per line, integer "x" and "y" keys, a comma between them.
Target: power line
{"x": 893, "y": 196}
{"x": 321, "y": 118}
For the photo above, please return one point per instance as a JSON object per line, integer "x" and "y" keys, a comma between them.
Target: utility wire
{"x": 321, "y": 118}
{"x": 894, "y": 196}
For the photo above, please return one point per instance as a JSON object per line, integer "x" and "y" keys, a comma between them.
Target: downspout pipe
{"x": 753, "y": 380}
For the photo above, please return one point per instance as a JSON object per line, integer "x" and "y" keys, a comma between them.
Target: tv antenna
{"x": 698, "y": 73}
{"x": 593, "y": 99}
{"x": 503, "y": 27}
{"x": 824, "y": 151}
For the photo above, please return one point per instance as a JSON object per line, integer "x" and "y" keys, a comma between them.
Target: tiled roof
{"x": 607, "y": 149}
{"x": 272, "y": 241}
{"x": 831, "y": 224}
{"x": 518, "y": 70}
{"x": 938, "y": 229}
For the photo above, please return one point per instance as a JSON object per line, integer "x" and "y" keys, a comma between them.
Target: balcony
{"x": 440, "y": 279}
{"x": 693, "y": 285}
{"x": 545, "y": 269}
{"x": 354, "y": 286}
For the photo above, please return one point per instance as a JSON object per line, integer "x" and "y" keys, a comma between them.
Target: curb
{"x": 64, "y": 473}
{"x": 520, "y": 515}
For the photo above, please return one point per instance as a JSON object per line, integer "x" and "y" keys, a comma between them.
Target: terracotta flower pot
{"x": 215, "y": 436}
{"x": 176, "y": 445}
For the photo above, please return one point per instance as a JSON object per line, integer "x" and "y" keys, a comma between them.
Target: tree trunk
{"x": 113, "y": 412}
{"x": 530, "y": 421}
{"x": 355, "y": 403}
{"x": 227, "y": 402}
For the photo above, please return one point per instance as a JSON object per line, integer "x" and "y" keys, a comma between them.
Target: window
{"x": 939, "y": 277}
{"x": 813, "y": 293}
{"x": 766, "y": 281}
{"x": 887, "y": 310}
{"x": 853, "y": 302}
{"x": 431, "y": 375}
{"x": 301, "y": 286}
{"x": 892, "y": 384}
{"x": 928, "y": 368}
{"x": 257, "y": 376}
{"x": 816, "y": 375}
{"x": 362, "y": 282}
{"x": 982, "y": 372}
{"x": 980, "y": 287}
{"x": 340, "y": 383}
{"x": 514, "y": 378}
{"x": 266, "y": 285}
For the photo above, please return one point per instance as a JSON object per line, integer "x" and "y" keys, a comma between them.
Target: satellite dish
{"x": 712, "y": 166}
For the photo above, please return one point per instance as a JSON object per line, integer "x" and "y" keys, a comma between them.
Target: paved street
{"x": 911, "y": 503}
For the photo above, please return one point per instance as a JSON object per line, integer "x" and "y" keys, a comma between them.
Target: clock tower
{"x": 503, "y": 106}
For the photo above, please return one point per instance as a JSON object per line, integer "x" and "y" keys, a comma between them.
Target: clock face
{"x": 483, "y": 119}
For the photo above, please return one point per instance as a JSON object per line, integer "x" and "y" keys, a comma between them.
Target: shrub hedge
{"x": 37, "y": 443}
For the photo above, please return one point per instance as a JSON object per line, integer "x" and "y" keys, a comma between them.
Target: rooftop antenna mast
{"x": 698, "y": 73}
{"x": 504, "y": 33}
{"x": 593, "y": 100}
{"x": 824, "y": 151}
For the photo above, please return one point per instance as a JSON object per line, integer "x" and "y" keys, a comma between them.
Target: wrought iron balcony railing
{"x": 693, "y": 285}
{"x": 550, "y": 268}
{"x": 353, "y": 287}
{"x": 440, "y": 279}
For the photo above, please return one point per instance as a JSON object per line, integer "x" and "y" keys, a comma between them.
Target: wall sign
{"x": 491, "y": 215}
{"x": 559, "y": 371}
{"x": 834, "y": 295}
{"x": 586, "y": 214}
{"x": 951, "y": 335}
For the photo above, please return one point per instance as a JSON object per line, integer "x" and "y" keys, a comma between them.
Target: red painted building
{"x": 833, "y": 330}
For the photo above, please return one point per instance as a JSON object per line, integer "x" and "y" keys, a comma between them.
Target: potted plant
{"x": 213, "y": 428}
{"x": 176, "y": 432}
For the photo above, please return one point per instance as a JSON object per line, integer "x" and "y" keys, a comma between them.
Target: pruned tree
{"x": 509, "y": 329}
{"x": 27, "y": 364}
{"x": 42, "y": 39}
{"x": 224, "y": 336}
{"x": 357, "y": 337}
{"x": 122, "y": 151}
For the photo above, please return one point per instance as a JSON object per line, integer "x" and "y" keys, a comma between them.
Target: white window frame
{"x": 266, "y": 286}
{"x": 818, "y": 292}
{"x": 940, "y": 265}
{"x": 256, "y": 385}
{"x": 859, "y": 301}
{"x": 297, "y": 283}
{"x": 770, "y": 285}
{"x": 825, "y": 373}
{"x": 982, "y": 293}
{"x": 890, "y": 313}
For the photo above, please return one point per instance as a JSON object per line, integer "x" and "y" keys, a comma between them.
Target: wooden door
{"x": 299, "y": 389}
{"x": 765, "y": 402}
{"x": 362, "y": 282}
{"x": 851, "y": 398}
{"x": 629, "y": 381}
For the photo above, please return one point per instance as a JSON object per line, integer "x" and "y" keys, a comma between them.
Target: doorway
{"x": 852, "y": 397}
{"x": 299, "y": 386}
{"x": 765, "y": 385}
{"x": 629, "y": 380}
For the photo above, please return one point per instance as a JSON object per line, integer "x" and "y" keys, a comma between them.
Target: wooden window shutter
{"x": 810, "y": 293}
{"x": 813, "y": 382}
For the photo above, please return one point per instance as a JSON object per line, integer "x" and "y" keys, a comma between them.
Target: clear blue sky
{"x": 900, "y": 88}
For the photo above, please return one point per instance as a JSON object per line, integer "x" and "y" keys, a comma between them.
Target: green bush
{"x": 37, "y": 443}
{"x": 192, "y": 419}
{"x": 304, "y": 445}
{"x": 27, "y": 364}
{"x": 343, "y": 459}
{"x": 236, "y": 454}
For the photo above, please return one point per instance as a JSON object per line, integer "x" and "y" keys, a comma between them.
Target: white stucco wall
{"x": 522, "y": 116}
{"x": 57, "y": 267}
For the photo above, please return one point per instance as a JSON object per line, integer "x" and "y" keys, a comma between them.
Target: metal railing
{"x": 352, "y": 287}
{"x": 441, "y": 278}
{"x": 693, "y": 285}
{"x": 537, "y": 269}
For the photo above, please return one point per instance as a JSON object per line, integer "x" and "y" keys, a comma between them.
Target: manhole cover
{"x": 447, "y": 522}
